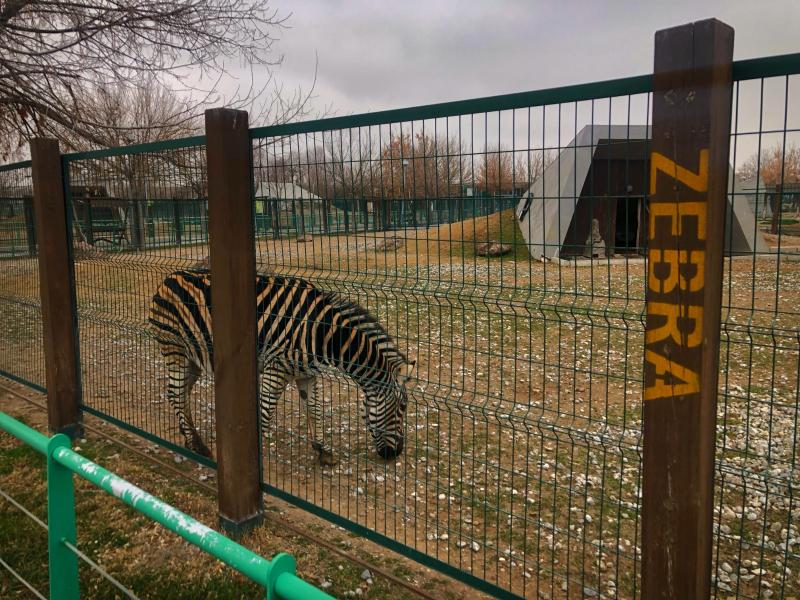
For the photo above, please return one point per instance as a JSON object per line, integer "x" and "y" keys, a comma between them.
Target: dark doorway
{"x": 627, "y": 225}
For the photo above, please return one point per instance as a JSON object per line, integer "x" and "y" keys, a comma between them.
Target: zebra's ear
{"x": 406, "y": 371}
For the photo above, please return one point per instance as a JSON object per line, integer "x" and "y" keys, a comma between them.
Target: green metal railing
{"x": 277, "y": 576}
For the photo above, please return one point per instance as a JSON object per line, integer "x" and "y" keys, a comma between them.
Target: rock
{"x": 589, "y": 592}
{"x": 325, "y": 584}
{"x": 304, "y": 238}
{"x": 365, "y": 574}
{"x": 390, "y": 243}
{"x": 444, "y": 537}
{"x": 492, "y": 248}
{"x": 475, "y": 546}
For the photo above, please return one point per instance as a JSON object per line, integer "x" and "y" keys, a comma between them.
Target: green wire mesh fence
{"x": 21, "y": 325}
{"x": 757, "y": 554}
{"x": 501, "y": 242}
{"x": 521, "y": 462}
{"x": 147, "y": 234}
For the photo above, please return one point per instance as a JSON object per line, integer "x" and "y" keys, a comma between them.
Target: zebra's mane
{"x": 362, "y": 315}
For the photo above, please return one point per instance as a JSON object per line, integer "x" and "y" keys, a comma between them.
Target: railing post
{"x": 688, "y": 181}
{"x": 63, "y": 562}
{"x": 57, "y": 288}
{"x": 233, "y": 272}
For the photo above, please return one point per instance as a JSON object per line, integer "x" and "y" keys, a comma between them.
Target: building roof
{"x": 284, "y": 190}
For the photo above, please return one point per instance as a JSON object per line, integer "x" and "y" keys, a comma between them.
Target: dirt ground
{"x": 523, "y": 434}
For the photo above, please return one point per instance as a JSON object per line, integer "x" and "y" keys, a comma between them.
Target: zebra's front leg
{"x": 273, "y": 381}
{"x": 183, "y": 374}
{"x": 309, "y": 389}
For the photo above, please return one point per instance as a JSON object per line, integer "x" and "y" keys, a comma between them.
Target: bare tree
{"x": 421, "y": 167}
{"x": 135, "y": 114}
{"x": 774, "y": 166}
{"x": 56, "y": 54}
{"x": 504, "y": 171}
{"x": 129, "y": 113}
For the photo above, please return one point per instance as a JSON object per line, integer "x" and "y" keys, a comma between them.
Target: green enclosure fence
{"x": 21, "y": 325}
{"x": 276, "y": 576}
{"x": 521, "y": 473}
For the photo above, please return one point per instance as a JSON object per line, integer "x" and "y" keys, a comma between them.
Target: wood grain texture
{"x": 232, "y": 249}
{"x": 57, "y": 289}
{"x": 688, "y": 181}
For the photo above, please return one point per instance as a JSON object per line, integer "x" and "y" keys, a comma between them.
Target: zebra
{"x": 301, "y": 331}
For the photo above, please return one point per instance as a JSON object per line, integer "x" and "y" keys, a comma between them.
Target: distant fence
{"x": 528, "y": 448}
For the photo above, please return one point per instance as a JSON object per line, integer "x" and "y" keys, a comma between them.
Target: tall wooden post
{"x": 233, "y": 313}
{"x": 57, "y": 289}
{"x": 688, "y": 182}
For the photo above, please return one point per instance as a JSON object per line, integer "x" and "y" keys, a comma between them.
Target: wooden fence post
{"x": 233, "y": 273}
{"x": 688, "y": 184}
{"x": 57, "y": 289}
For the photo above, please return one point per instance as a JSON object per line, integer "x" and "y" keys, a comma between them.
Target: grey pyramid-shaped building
{"x": 602, "y": 175}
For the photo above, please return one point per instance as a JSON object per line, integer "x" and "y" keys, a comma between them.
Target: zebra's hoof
{"x": 327, "y": 459}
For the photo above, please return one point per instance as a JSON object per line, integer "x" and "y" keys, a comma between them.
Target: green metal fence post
{"x": 280, "y": 564}
{"x": 63, "y": 562}
{"x": 283, "y": 583}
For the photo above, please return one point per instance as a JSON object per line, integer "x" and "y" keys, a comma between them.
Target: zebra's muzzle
{"x": 389, "y": 452}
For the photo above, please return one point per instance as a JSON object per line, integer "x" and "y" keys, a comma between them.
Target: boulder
{"x": 492, "y": 248}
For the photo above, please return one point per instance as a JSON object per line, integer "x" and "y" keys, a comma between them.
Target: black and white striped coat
{"x": 301, "y": 331}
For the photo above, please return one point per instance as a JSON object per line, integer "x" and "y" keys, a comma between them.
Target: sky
{"x": 377, "y": 55}
{"x": 372, "y": 56}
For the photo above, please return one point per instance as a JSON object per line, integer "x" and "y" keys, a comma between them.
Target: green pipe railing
{"x": 277, "y": 576}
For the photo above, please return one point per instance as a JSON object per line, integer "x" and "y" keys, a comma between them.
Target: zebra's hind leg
{"x": 309, "y": 389}
{"x": 183, "y": 374}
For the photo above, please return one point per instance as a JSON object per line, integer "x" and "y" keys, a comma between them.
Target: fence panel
{"x": 520, "y": 472}
{"x": 125, "y": 377}
{"x": 757, "y": 548}
{"x": 21, "y": 326}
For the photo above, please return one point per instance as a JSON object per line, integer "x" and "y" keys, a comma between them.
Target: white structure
{"x": 286, "y": 192}
{"x": 555, "y": 214}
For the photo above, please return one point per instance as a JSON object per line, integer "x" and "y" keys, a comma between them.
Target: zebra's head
{"x": 387, "y": 409}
